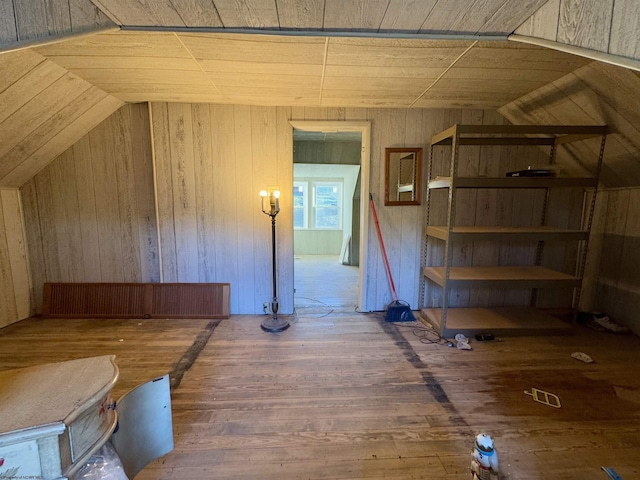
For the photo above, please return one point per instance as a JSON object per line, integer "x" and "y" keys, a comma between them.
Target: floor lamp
{"x": 271, "y": 207}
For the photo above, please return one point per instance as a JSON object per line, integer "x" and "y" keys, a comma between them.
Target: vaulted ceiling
{"x": 67, "y": 64}
{"x": 298, "y": 52}
{"x": 309, "y": 70}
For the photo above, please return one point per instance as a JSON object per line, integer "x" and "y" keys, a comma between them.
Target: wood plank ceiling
{"x": 191, "y": 60}
{"x": 44, "y": 109}
{"x": 309, "y": 70}
{"x": 411, "y": 16}
{"x": 317, "y": 53}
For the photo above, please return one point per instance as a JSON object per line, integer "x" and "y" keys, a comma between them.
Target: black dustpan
{"x": 397, "y": 310}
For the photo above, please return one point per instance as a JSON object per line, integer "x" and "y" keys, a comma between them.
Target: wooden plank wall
{"x": 90, "y": 214}
{"x": 28, "y": 21}
{"x": 618, "y": 286}
{"x": 609, "y": 26}
{"x": 14, "y": 273}
{"x": 586, "y": 97}
{"x": 45, "y": 110}
{"x": 211, "y": 160}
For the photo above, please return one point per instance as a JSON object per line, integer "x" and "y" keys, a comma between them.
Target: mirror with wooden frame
{"x": 403, "y": 167}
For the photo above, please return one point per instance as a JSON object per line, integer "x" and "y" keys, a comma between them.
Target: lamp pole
{"x": 274, "y": 301}
{"x": 271, "y": 207}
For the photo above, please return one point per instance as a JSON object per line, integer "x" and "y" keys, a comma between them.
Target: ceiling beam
{"x": 616, "y": 60}
{"x": 320, "y": 33}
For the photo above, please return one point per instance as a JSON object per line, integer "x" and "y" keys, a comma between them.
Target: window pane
{"x": 299, "y": 216}
{"x": 327, "y": 211}
{"x": 327, "y": 217}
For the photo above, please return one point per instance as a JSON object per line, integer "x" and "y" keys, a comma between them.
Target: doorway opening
{"x": 330, "y": 181}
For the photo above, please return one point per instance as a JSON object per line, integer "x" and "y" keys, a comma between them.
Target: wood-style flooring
{"x": 348, "y": 396}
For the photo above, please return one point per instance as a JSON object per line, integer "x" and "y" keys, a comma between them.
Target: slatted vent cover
{"x": 136, "y": 300}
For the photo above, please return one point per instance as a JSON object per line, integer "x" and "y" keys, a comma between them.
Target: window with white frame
{"x": 327, "y": 205}
{"x": 300, "y": 205}
{"x": 317, "y": 205}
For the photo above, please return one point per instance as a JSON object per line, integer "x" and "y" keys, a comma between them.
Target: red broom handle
{"x": 384, "y": 252}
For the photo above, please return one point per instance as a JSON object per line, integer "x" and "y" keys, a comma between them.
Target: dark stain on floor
{"x": 430, "y": 382}
{"x": 189, "y": 357}
{"x": 581, "y": 398}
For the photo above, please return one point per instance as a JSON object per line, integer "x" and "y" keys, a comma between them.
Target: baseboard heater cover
{"x": 136, "y": 300}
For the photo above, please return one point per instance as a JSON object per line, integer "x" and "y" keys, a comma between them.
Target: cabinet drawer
{"x": 94, "y": 423}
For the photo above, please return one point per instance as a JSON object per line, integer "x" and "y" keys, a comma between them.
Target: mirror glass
{"x": 402, "y": 176}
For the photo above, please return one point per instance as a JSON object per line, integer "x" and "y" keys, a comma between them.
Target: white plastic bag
{"x": 103, "y": 465}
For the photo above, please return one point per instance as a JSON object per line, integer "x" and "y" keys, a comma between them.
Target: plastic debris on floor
{"x": 462, "y": 342}
{"x": 543, "y": 397}
{"x": 600, "y": 322}
{"x": 583, "y": 357}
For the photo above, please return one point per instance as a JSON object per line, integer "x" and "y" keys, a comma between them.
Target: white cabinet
{"x": 53, "y": 417}
{"x": 440, "y": 272}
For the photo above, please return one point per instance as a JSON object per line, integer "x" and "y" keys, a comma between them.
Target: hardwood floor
{"x": 348, "y": 396}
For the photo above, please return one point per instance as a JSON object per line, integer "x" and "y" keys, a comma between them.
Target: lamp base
{"x": 275, "y": 324}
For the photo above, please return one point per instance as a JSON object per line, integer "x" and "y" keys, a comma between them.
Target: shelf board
{"x": 500, "y": 321}
{"x": 512, "y": 182}
{"x": 505, "y": 133}
{"x": 498, "y": 141}
{"x": 501, "y": 277}
{"x": 505, "y": 233}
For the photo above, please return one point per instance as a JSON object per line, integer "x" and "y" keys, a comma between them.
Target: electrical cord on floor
{"x": 324, "y": 304}
{"x": 426, "y": 334}
{"x": 295, "y": 318}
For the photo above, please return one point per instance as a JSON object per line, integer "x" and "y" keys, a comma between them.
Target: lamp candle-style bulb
{"x": 270, "y": 202}
{"x": 263, "y": 196}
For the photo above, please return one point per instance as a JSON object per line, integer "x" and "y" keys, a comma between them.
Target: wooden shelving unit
{"x": 439, "y": 270}
{"x": 512, "y": 182}
{"x": 508, "y": 233}
{"x": 497, "y": 320}
{"x": 497, "y": 277}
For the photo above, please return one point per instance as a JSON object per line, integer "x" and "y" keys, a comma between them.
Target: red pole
{"x": 384, "y": 252}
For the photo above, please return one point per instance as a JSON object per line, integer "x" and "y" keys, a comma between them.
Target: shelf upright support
{"x": 543, "y": 220}
{"x": 451, "y": 215}
{"x": 585, "y": 244}
{"x": 425, "y": 244}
